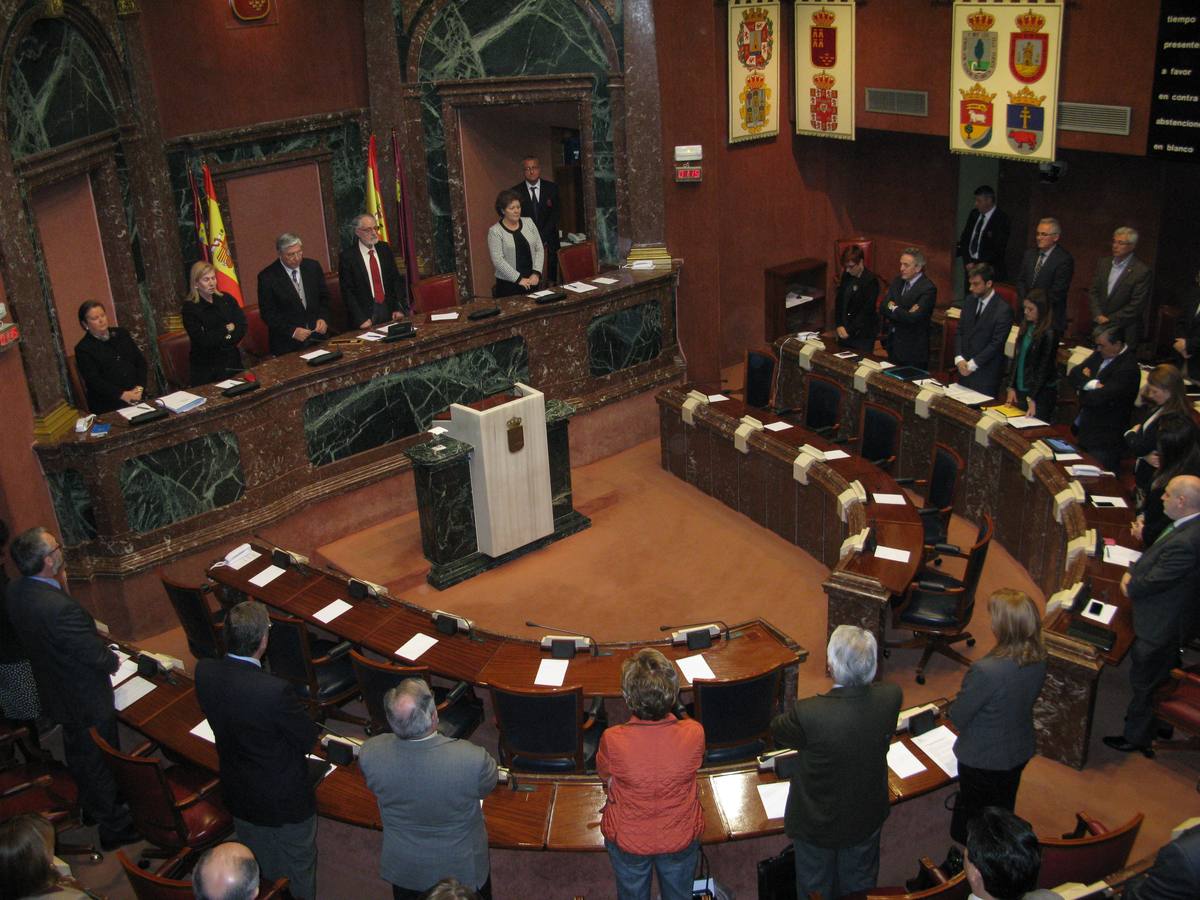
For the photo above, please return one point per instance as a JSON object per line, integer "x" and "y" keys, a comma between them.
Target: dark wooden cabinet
{"x": 802, "y": 276}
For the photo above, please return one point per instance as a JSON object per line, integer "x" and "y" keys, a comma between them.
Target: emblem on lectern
{"x": 516, "y": 435}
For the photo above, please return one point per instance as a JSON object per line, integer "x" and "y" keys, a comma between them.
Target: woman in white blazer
{"x": 516, "y": 249}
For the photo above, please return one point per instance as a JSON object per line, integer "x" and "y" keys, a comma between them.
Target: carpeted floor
{"x": 659, "y": 551}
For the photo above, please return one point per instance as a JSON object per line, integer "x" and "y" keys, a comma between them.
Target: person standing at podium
{"x": 515, "y": 247}
{"x": 293, "y": 298}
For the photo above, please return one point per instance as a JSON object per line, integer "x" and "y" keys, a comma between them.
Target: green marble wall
{"x": 57, "y": 91}
{"x": 72, "y": 507}
{"x": 388, "y": 407}
{"x": 492, "y": 38}
{"x": 182, "y": 481}
{"x": 624, "y": 338}
{"x": 343, "y": 139}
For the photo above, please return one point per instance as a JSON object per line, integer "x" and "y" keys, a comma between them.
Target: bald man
{"x": 1162, "y": 586}
{"x": 226, "y": 872}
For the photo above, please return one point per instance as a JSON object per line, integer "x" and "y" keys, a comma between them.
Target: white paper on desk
{"x": 227, "y": 383}
{"x": 315, "y": 354}
{"x": 137, "y": 409}
{"x": 121, "y": 654}
{"x": 443, "y": 317}
{"x": 938, "y": 745}
{"x": 239, "y": 556}
{"x": 890, "y": 499}
{"x": 537, "y": 294}
{"x": 1109, "y": 502}
{"x": 415, "y": 646}
{"x": 1066, "y": 457}
{"x": 266, "y": 576}
{"x": 128, "y": 667}
{"x": 1104, "y": 617}
{"x": 928, "y": 382}
{"x": 884, "y": 364}
{"x": 774, "y": 798}
{"x": 892, "y": 553}
{"x": 846, "y": 354}
{"x": 437, "y": 429}
{"x": 902, "y": 761}
{"x": 836, "y": 454}
{"x": 579, "y": 287}
{"x": 966, "y": 395}
{"x": 332, "y": 611}
{"x": 131, "y": 692}
{"x": 793, "y": 300}
{"x": 694, "y": 667}
{"x": 1027, "y": 422}
{"x": 716, "y": 398}
{"x": 551, "y": 672}
{"x": 778, "y": 426}
{"x": 204, "y": 731}
{"x": 601, "y": 279}
{"x": 370, "y": 336}
{"x": 1121, "y": 556}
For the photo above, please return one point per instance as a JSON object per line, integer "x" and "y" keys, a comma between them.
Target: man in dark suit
{"x": 292, "y": 297}
{"x": 1050, "y": 268}
{"x": 984, "y": 238}
{"x": 372, "y": 288}
{"x": 908, "y": 308}
{"x": 428, "y": 787}
{"x": 263, "y": 736}
{"x": 1187, "y": 333}
{"x": 1107, "y": 383}
{"x": 1162, "y": 586}
{"x": 982, "y": 331}
{"x": 1120, "y": 291}
{"x": 71, "y": 665}
{"x": 539, "y": 201}
{"x": 1175, "y": 874}
{"x": 838, "y": 799}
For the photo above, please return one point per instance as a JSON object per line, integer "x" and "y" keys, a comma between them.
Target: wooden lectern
{"x": 510, "y": 468}
{"x": 490, "y": 489}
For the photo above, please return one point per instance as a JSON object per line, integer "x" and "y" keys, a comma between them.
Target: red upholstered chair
{"x": 840, "y": 245}
{"x": 77, "y": 385}
{"x": 173, "y": 349}
{"x": 577, "y": 262}
{"x": 175, "y": 807}
{"x": 436, "y": 292}
{"x": 1178, "y": 705}
{"x": 1009, "y": 293}
{"x": 1088, "y": 853}
{"x": 938, "y": 885}
{"x": 257, "y": 342}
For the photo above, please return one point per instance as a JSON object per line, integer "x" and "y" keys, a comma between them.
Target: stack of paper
{"x": 138, "y": 409}
{"x": 180, "y": 401}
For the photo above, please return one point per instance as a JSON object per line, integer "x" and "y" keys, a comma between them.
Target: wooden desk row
{"x": 532, "y": 812}
{"x": 484, "y": 657}
{"x": 1052, "y": 544}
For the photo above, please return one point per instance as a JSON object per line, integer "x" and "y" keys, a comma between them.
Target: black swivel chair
{"x": 878, "y": 435}
{"x": 547, "y": 730}
{"x": 201, "y": 625}
{"x": 759, "y": 389}
{"x": 942, "y": 483}
{"x": 319, "y": 669}
{"x": 736, "y": 716}
{"x": 823, "y": 406}
{"x": 937, "y": 607}
{"x": 459, "y": 710}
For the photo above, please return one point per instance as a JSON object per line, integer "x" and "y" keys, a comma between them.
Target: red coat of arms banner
{"x": 1028, "y": 50}
{"x": 250, "y": 10}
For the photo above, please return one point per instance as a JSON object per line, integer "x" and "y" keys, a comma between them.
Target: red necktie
{"x": 376, "y": 278}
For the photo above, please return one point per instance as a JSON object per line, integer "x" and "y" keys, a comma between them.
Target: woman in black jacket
{"x": 855, "y": 311}
{"x": 1033, "y": 377}
{"x": 215, "y": 324}
{"x": 1165, "y": 394}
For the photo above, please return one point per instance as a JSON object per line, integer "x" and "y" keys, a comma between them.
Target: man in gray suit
{"x": 428, "y": 787}
{"x": 1121, "y": 288}
{"x": 1162, "y": 586}
{"x": 838, "y": 797}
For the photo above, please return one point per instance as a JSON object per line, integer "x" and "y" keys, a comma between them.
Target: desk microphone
{"x": 564, "y": 646}
{"x": 284, "y": 558}
{"x": 697, "y": 635}
{"x": 358, "y": 588}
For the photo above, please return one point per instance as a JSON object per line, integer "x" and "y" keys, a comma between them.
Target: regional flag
{"x": 218, "y": 246}
{"x": 374, "y": 204}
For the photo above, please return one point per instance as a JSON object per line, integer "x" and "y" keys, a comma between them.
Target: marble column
{"x": 855, "y": 600}
{"x": 1062, "y": 716}
{"x": 643, "y": 132}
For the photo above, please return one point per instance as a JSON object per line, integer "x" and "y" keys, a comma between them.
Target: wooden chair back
{"x": 1089, "y": 853}
{"x": 434, "y": 293}
{"x": 577, "y": 262}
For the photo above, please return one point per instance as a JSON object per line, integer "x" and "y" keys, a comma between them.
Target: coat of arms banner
{"x": 753, "y": 69}
{"x": 1004, "y": 78}
{"x": 824, "y": 49}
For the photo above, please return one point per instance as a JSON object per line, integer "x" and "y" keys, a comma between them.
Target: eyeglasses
{"x": 367, "y": 228}
{"x": 1046, "y": 233}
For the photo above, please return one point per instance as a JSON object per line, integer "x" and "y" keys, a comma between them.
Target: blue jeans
{"x": 676, "y": 872}
{"x": 837, "y": 872}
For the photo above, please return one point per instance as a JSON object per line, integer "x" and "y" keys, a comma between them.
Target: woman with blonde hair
{"x": 994, "y": 710}
{"x": 215, "y": 324}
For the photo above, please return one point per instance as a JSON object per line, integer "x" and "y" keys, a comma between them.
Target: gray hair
{"x": 231, "y": 870}
{"x": 285, "y": 240}
{"x": 1130, "y": 234}
{"x": 917, "y": 255}
{"x": 1053, "y": 223}
{"x": 245, "y": 626}
{"x": 357, "y": 220}
{"x": 852, "y": 656}
{"x": 29, "y": 550}
{"x": 410, "y": 708}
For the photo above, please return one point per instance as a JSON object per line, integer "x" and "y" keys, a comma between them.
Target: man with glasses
{"x": 1120, "y": 291}
{"x": 71, "y": 664}
{"x": 1108, "y": 383}
{"x": 371, "y": 285}
{"x": 1050, "y": 268}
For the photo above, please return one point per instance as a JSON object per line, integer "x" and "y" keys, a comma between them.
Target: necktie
{"x": 533, "y": 193}
{"x": 1165, "y": 532}
{"x": 904, "y": 290}
{"x": 299, "y": 287}
{"x": 1038, "y": 266}
{"x": 376, "y": 278}
{"x": 973, "y": 250}
{"x": 980, "y": 309}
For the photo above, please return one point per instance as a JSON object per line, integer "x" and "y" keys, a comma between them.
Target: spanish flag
{"x": 374, "y": 203}
{"x": 218, "y": 247}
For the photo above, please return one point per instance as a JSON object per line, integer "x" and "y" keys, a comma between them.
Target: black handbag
{"x": 777, "y": 876}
